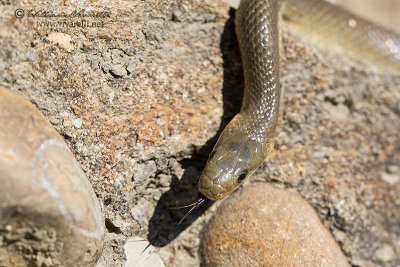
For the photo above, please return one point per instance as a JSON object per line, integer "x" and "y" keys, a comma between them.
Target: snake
{"x": 248, "y": 139}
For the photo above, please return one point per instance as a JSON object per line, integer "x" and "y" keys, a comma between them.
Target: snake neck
{"x": 257, "y": 31}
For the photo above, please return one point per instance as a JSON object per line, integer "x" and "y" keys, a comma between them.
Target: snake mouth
{"x": 210, "y": 189}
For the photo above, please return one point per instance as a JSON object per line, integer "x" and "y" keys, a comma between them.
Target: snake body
{"x": 248, "y": 139}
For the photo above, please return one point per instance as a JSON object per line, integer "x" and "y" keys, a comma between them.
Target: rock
{"x": 262, "y": 225}
{"x": 118, "y": 71}
{"x": 392, "y": 175}
{"x": 338, "y": 112}
{"x": 138, "y": 254}
{"x": 385, "y": 253}
{"x": 77, "y": 123}
{"x": 391, "y": 179}
{"x": 61, "y": 39}
{"x": 183, "y": 68}
{"x": 49, "y": 214}
{"x": 113, "y": 244}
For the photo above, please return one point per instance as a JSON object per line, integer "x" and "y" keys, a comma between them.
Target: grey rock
{"x": 118, "y": 70}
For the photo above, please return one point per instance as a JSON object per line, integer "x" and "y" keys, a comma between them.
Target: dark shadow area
{"x": 163, "y": 225}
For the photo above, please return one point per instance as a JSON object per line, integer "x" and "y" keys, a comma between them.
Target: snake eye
{"x": 242, "y": 177}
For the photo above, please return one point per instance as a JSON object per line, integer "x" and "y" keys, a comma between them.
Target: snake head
{"x": 234, "y": 158}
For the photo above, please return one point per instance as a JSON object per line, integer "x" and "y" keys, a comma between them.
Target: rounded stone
{"x": 262, "y": 225}
{"x": 49, "y": 214}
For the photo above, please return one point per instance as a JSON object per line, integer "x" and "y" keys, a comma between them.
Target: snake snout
{"x": 210, "y": 189}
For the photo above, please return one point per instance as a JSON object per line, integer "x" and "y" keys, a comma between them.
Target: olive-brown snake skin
{"x": 248, "y": 138}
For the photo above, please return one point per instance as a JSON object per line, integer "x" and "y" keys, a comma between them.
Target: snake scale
{"x": 248, "y": 139}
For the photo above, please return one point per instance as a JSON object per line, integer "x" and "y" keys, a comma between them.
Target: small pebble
{"x": 61, "y": 39}
{"x": 77, "y": 123}
{"x": 139, "y": 254}
{"x": 391, "y": 179}
{"x": 385, "y": 253}
{"x": 118, "y": 70}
